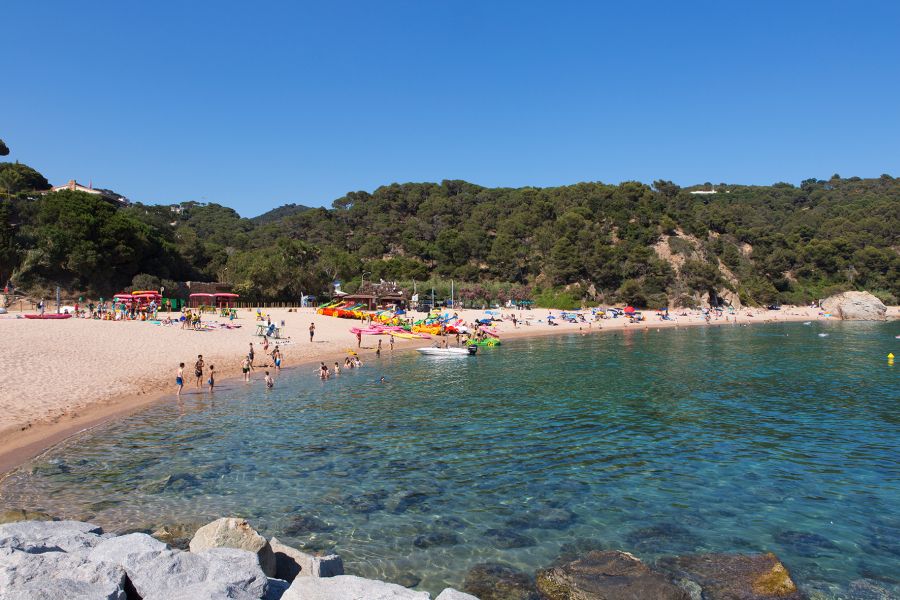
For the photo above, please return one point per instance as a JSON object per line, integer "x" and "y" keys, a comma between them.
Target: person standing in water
{"x": 270, "y": 383}
{"x": 198, "y": 369}
{"x": 245, "y": 367}
{"x": 276, "y": 358}
{"x": 179, "y": 378}
{"x": 337, "y": 368}
{"x": 250, "y": 356}
{"x": 392, "y": 343}
{"x": 378, "y": 349}
{"x": 212, "y": 377}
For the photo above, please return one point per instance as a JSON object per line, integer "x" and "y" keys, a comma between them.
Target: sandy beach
{"x": 59, "y": 377}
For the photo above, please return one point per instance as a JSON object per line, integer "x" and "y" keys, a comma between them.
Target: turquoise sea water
{"x": 746, "y": 439}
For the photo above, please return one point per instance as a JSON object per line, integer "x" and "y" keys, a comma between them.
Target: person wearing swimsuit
{"x": 179, "y": 378}
{"x": 198, "y": 369}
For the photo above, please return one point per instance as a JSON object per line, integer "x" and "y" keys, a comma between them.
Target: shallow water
{"x": 765, "y": 438}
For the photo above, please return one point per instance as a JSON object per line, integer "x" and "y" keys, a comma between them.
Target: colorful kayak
{"x": 489, "y": 342}
{"x": 49, "y": 316}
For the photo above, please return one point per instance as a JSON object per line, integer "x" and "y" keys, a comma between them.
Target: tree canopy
{"x": 632, "y": 242}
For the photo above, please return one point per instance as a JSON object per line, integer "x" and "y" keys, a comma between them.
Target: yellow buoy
{"x": 890, "y": 358}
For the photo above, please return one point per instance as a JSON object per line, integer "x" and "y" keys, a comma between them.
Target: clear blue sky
{"x": 257, "y": 104}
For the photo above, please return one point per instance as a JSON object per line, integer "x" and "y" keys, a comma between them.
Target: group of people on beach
{"x": 246, "y": 367}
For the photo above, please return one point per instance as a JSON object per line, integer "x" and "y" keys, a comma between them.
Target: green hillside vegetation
{"x": 646, "y": 245}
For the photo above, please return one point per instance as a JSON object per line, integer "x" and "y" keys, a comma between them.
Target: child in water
{"x": 270, "y": 383}
{"x": 179, "y": 378}
{"x": 212, "y": 377}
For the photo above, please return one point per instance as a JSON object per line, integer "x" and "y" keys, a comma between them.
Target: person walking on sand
{"x": 358, "y": 339}
{"x": 212, "y": 377}
{"x": 265, "y": 345}
{"x": 378, "y": 349}
{"x": 392, "y": 343}
{"x": 198, "y": 369}
{"x": 179, "y": 378}
{"x": 245, "y": 367}
{"x": 312, "y": 331}
{"x": 250, "y": 356}
{"x": 270, "y": 383}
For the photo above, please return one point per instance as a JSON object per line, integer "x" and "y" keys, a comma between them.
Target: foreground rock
{"x": 736, "y": 576}
{"x": 58, "y": 576}
{"x": 291, "y": 563}
{"x": 606, "y": 575}
{"x": 235, "y": 533}
{"x": 348, "y": 587}
{"x": 855, "y": 306}
{"x": 50, "y": 536}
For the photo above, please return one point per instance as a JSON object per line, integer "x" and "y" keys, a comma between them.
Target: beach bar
{"x": 226, "y": 300}
{"x": 201, "y": 299}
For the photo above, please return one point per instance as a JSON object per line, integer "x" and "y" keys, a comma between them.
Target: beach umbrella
{"x": 629, "y": 309}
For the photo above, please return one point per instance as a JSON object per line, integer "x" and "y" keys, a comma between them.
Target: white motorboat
{"x": 468, "y": 351}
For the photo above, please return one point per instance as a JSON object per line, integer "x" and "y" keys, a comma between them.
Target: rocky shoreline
{"x": 56, "y": 560}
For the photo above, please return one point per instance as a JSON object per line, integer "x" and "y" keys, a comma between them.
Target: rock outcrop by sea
{"x": 855, "y": 306}
{"x": 71, "y": 560}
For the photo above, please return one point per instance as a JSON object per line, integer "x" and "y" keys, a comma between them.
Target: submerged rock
{"x": 662, "y": 537}
{"x": 17, "y": 514}
{"x": 58, "y": 576}
{"x": 348, "y": 587}
{"x": 606, "y": 575}
{"x": 437, "y": 538}
{"x": 548, "y": 518}
{"x": 366, "y": 503}
{"x": 407, "y": 580}
{"x": 300, "y": 525}
{"x": 291, "y": 563}
{"x": 507, "y": 538}
{"x": 735, "y": 576}
{"x": 855, "y": 306}
{"x": 865, "y": 589}
{"x": 406, "y": 500}
{"x": 235, "y": 533}
{"x": 176, "y": 535}
{"x": 497, "y": 581}
{"x": 805, "y": 544}
{"x": 178, "y": 482}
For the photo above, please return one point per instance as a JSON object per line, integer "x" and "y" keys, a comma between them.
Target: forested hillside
{"x": 649, "y": 245}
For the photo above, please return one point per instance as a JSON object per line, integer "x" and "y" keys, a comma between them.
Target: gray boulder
{"x": 348, "y": 587}
{"x": 50, "y": 536}
{"x": 215, "y": 573}
{"x": 855, "y": 306}
{"x": 235, "y": 533}
{"x": 451, "y": 594}
{"x": 606, "y": 575}
{"x": 291, "y": 563}
{"x": 54, "y": 575}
